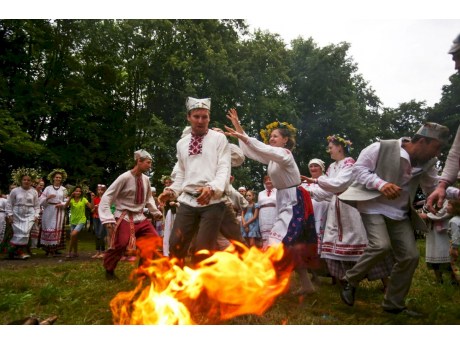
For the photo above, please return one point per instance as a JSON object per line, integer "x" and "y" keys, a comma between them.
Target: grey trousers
{"x": 203, "y": 221}
{"x": 385, "y": 234}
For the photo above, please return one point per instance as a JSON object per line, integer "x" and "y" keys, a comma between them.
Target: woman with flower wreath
{"x": 22, "y": 209}
{"x": 53, "y": 200}
{"x": 294, "y": 224}
{"x": 344, "y": 237}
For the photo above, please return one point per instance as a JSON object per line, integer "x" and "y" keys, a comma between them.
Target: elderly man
{"x": 130, "y": 193}
{"x": 387, "y": 175}
{"x": 202, "y": 173}
{"x": 452, "y": 167}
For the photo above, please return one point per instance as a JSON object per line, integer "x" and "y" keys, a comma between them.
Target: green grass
{"x": 78, "y": 293}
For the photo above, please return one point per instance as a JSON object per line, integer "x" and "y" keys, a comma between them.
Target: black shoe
{"x": 110, "y": 275}
{"x": 404, "y": 311}
{"x": 348, "y": 294}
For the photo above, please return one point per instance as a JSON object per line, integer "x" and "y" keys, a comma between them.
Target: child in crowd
{"x": 99, "y": 230}
{"x": 437, "y": 241}
{"x": 453, "y": 208}
{"x": 77, "y": 204}
{"x": 250, "y": 220}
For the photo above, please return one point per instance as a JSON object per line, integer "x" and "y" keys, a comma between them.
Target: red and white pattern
{"x": 195, "y": 146}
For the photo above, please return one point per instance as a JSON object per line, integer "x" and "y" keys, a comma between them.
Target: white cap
{"x": 194, "y": 103}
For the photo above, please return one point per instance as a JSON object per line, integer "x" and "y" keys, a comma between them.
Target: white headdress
{"x": 319, "y": 162}
{"x": 194, "y": 103}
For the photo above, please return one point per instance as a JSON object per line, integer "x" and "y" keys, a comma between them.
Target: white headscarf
{"x": 319, "y": 162}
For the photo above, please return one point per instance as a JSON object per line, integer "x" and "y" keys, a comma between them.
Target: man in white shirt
{"x": 130, "y": 193}
{"x": 202, "y": 173}
{"x": 387, "y": 175}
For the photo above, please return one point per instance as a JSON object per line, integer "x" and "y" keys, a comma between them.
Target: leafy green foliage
{"x": 84, "y": 94}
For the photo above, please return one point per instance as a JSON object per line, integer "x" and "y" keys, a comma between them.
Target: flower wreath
{"x": 57, "y": 171}
{"x": 265, "y": 133}
{"x": 345, "y": 142}
{"x": 19, "y": 173}
{"x": 164, "y": 178}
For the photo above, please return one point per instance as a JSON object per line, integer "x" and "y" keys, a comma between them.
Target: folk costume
{"x": 437, "y": 243}
{"x": 267, "y": 213}
{"x": 345, "y": 237}
{"x": 201, "y": 161}
{"x": 130, "y": 194}
{"x": 294, "y": 224}
{"x": 389, "y": 223}
{"x": 24, "y": 207}
{"x": 52, "y": 236}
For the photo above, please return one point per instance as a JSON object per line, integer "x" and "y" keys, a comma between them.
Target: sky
{"x": 401, "y": 59}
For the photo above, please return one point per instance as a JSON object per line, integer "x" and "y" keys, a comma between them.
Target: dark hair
{"x": 75, "y": 188}
{"x": 286, "y": 133}
{"x": 455, "y": 207}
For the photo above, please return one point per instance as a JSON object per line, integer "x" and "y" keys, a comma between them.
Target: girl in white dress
{"x": 22, "y": 211}
{"x": 291, "y": 226}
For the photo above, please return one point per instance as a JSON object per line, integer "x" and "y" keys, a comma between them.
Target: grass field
{"x": 77, "y": 292}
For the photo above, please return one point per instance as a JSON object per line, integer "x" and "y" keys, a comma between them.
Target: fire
{"x": 229, "y": 283}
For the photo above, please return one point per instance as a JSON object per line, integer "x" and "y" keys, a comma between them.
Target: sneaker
{"x": 95, "y": 256}
{"x": 101, "y": 256}
{"x": 24, "y": 256}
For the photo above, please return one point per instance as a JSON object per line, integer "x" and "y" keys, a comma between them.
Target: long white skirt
{"x": 23, "y": 220}
{"x": 52, "y": 225}
{"x": 169, "y": 222}
{"x": 286, "y": 199}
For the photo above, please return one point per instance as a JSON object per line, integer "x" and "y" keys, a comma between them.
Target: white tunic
{"x": 285, "y": 176}
{"x": 24, "y": 206}
{"x": 211, "y": 167}
{"x": 267, "y": 210}
{"x": 122, "y": 193}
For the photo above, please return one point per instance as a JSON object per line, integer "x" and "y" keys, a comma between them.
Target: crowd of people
{"x": 352, "y": 220}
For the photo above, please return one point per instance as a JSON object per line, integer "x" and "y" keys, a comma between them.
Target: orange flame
{"x": 229, "y": 283}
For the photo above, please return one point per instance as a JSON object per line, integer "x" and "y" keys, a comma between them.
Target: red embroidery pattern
{"x": 196, "y": 145}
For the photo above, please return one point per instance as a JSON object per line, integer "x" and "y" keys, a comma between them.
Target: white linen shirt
{"x": 211, "y": 168}
{"x": 122, "y": 193}
{"x": 398, "y": 208}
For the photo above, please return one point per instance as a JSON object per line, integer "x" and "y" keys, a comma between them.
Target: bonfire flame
{"x": 229, "y": 283}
